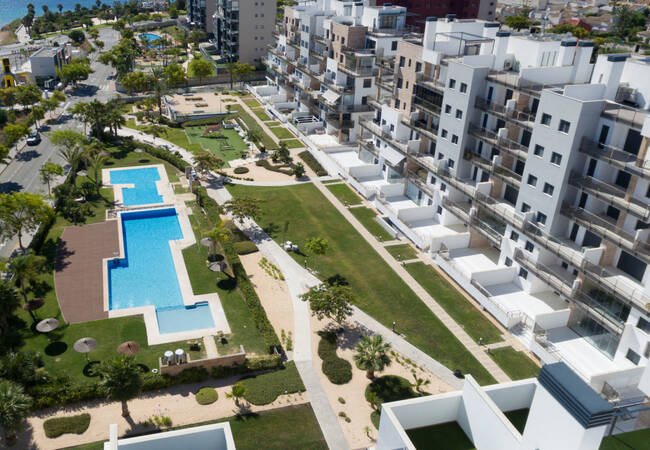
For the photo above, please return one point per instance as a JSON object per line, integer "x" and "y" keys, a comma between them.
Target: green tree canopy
{"x": 121, "y": 380}
{"x": 200, "y": 68}
{"x": 14, "y": 408}
{"x": 175, "y": 75}
{"x": 22, "y": 212}
{"x": 330, "y": 301}
{"x": 372, "y": 354}
{"x": 242, "y": 208}
{"x": 517, "y": 22}
{"x": 48, "y": 172}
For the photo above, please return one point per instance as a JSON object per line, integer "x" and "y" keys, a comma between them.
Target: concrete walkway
{"x": 476, "y": 350}
{"x": 210, "y": 347}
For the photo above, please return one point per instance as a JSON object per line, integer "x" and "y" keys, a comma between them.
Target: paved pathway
{"x": 210, "y": 347}
{"x": 478, "y": 352}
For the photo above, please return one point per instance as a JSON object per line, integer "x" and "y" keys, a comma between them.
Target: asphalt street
{"x": 22, "y": 174}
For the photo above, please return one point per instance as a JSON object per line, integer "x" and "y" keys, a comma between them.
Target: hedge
{"x": 61, "y": 425}
{"x": 267, "y": 165}
{"x": 264, "y": 388}
{"x": 207, "y": 121}
{"x": 313, "y": 163}
{"x": 206, "y": 396}
{"x": 211, "y": 207}
{"x": 337, "y": 370}
{"x": 174, "y": 159}
{"x": 245, "y": 247}
{"x": 241, "y": 170}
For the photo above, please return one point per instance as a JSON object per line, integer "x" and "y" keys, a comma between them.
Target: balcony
{"x": 340, "y": 124}
{"x": 420, "y": 126}
{"x": 427, "y": 106}
{"x": 513, "y": 80}
{"x": 493, "y": 139}
{"x": 462, "y": 210}
{"x": 497, "y": 170}
{"x": 421, "y": 183}
{"x": 320, "y": 39}
{"x": 611, "y": 194}
{"x": 400, "y": 144}
{"x": 620, "y": 113}
{"x": 616, "y": 157}
{"x": 368, "y": 145}
{"x": 557, "y": 281}
{"x": 328, "y": 80}
{"x": 519, "y": 118}
{"x": 344, "y": 108}
{"x": 430, "y": 83}
{"x": 359, "y": 71}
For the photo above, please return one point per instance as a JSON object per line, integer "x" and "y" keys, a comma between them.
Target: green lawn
{"x": 264, "y": 388}
{"x": 282, "y": 133}
{"x": 345, "y": 194}
{"x": 294, "y": 143}
{"x": 273, "y": 124}
{"x": 227, "y": 149}
{"x": 204, "y": 281}
{"x": 634, "y": 440}
{"x": 457, "y": 306}
{"x": 252, "y": 103}
{"x": 367, "y": 218}
{"x": 516, "y": 364}
{"x": 518, "y": 418}
{"x": 292, "y": 427}
{"x": 381, "y": 293}
{"x": 402, "y": 252}
{"x": 176, "y": 136}
{"x": 449, "y": 436}
{"x": 252, "y": 124}
{"x": 261, "y": 114}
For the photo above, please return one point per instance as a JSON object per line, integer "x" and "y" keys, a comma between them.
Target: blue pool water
{"x": 147, "y": 276}
{"x": 149, "y": 37}
{"x": 144, "y": 180}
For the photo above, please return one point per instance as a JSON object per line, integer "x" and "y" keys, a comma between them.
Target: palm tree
{"x": 217, "y": 235}
{"x": 121, "y": 380}
{"x": 70, "y": 148}
{"x": 26, "y": 269}
{"x": 9, "y": 302}
{"x": 372, "y": 354}
{"x": 114, "y": 118}
{"x": 237, "y": 392}
{"x": 159, "y": 87}
{"x": 95, "y": 161}
{"x": 14, "y": 408}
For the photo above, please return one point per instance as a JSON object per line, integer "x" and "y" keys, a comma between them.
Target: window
{"x": 463, "y": 87}
{"x": 396, "y": 103}
{"x": 532, "y": 180}
{"x": 452, "y": 83}
{"x": 643, "y": 324}
{"x": 418, "y": 67}
{"x": 525, "y": 207}
{"x": 399, "y": 83}
{"x": 451, "y": 163}
{"x": 523, "y": 273}
{"x": 548, "y": 189}
{"x": 342, "y": 40}
{"x": 564, "y": 126}
{"x": 539, "y": 150}
{"x": 514, "y": 236}
{"x": 641, "y": 225}
{"x": 447, "y": 109}
{"x": 367, "y": 82}
{"x": 529, "y": 247}
{"x": 546, "y": 119}
{"x": 541, "y": 218}
{"x": 439, "y": 210}
{"x": 409, "y": 62}
{"x": 402, "y": 60}
{"x": 459, "y": 114}
{"x": 444, "y": 134}
{"x": 633, "y": 356}
{"x": 393, "y": 45}
{"x": 454, "y": 139}
{"x": 556, "y": 159}
{"x": 508, "y": 262}
{"x": 443, "y": 187}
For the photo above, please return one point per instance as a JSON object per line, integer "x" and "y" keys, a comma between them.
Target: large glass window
{"x": 594, "y": 333}
{"x": 393, "y": 176}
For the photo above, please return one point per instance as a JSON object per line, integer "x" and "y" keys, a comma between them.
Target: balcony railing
{"x": 513, "y": 80}
{"x": 499, "y": 171}
{"x": 462, "y": 211}
{"x": 492, "y": 138}
{"x": 368, "y": 145}
{"x": 422, "y": 128}
{"x": 386, "y": 136}
{"x": 428, "y": 106}
{"x": 616, "y": 157}
{"x": 340, "y": 124}
{"x": 330, "y": 83}
{"x": 610, "y": 194}
{"x": 430, "y": 83}
{"x": 359, "y": 71}
{"x": 630, "y": 116}
{"x": 421, "y": 183}
{"x": 518, "y": 117}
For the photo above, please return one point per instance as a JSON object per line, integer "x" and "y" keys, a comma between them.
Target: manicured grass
{"x": 449, "y": 436}
{"x": 251, "y": 102}
{"x": 121, "y": 159}
{"x": 518, "y": 418}
{"x": 402, "y": 252}
{"x": 206, "y": 396}
{"x": 367, "y": 218}
{"x": 227, "y": 149}
{"x": 273, "y": 124}
{"x": 344, "y": 194}
{"x": 634, "y": 440}
{"x": 176, "y": 136}
{"x": 252, "y": 124}
{"x": 204, "y": 281}
{"x": 294, "y": 143}
{"x": 457, "y": 306}
{"x": 293, "y": 427}
{"x": 264, "y": 388}
{"x": 381, "y": 293}
{"x": 516, "y": 364}
{"x": 335, "y": 180}
{"x": 261, "y": 114}
{"x": 312, "y": 163}
{"x": 57, "y": 426}
{"x": 282, "y": 133}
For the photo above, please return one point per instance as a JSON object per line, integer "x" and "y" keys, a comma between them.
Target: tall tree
{"x": 175, "y": 75}
{"x": 59, "y": 7}
{"x": 217, "y": 235}
{"x": 14, "y": 407}
{"x": 121, "y": 380}
{"x": 95, "y": 162}
{"x": 22, "y": 212}
{"x": 159, "y": 86}
{"x": 48, "y": 172}
{"x": 9, "y": 302}
{"x": 372, "y": 354}
{"x": 37, "y": 113}
{"x": 200, "y": 68}
{"x": 242, "y": 208}
{"x": 243, "y": 71}
{"x": 114, "y": 117}
{"x": 333, "y": 302}
{"x": 70, "y": 148}
{"x": 26, "y": 270}
{"x": 205, "y": 162}
{"x": 318, "y": 246}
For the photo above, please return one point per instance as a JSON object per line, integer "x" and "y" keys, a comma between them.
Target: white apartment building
{"x": 521, "y": 168}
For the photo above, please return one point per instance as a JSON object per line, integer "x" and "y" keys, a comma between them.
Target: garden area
{"x": 300, "y": 212}
{"x": 225, "y": 143}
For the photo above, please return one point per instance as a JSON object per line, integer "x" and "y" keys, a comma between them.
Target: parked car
{"x": 34, "y": 138}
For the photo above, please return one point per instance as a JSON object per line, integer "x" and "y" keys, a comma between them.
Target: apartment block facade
{"x": 419, "y": 10}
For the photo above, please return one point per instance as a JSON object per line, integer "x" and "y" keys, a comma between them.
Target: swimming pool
{"x": 147, "y": 275}
{"x": 144, "y": 180}
{"x": 150, "y": 37}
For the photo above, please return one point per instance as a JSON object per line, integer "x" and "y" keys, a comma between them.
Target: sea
{"x": 15, "y": 9}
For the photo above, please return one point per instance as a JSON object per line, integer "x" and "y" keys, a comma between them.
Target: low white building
{"x": 207, "y": 437}
{"x": 46, "y": 61}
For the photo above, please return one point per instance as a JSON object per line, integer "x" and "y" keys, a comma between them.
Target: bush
{"x": 265, "y": 388}
{"x": 245, "y": 247}
{"x": 61, "y": 425}
{"x": 206, "y": 396}
{"x": 211, "y": 207}
{"x": 267, "y": 165}
{"x": 207, "y": 121}
{"x": 240, "y": 170}
{"x": 313, "y": 163}
{"x": 337, "y": 370}
{"x": 390, "y": 388}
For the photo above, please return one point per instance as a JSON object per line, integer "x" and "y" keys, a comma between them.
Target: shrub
{"x": 389, "y": 388}
{"x": 207, "y": 121}
{"x": 206, "y": 396}
{"x": 337, "y": 370}
{"x": 62, "y": 425}
{"x": 245, "y": 247}
{"x": 211, "y": 207}
{"x": 264, "y": 388}
{"x": 240, "y": 170}
{"x": 268, "y": 166}
{"x": 237, "y": 234}
{"x": 313, "y": 163}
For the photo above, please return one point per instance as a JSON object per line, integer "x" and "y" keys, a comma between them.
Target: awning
{"x": 391, "y": 155}
{"x": 331, "y": 96}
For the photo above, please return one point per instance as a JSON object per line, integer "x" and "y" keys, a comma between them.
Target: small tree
{"x": 317, "y": 246}
{"x": 517, "y": 22}
{"x": 26, "y": 269}
{"x": 121, "y": 379}
{"x": 37, "y": 113}
{"x": 299, "y": 170}
{"x": 48, "y": 172}
{"x": 14, "y": 408}
{"x": 217, "y": 235}
{"x": 200, "y": 68}
{"x": 22, "y": 212}
{"x": 242, "y": 208}
{"x": 205, "y": 162}
{"x": 69, "y": 143}
{"x": 330, "y": 301}
{"x": 372, "y": 354}
{"x": 237, "y": 392}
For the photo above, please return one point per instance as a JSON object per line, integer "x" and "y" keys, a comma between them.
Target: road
{"x": 22, "y": 173}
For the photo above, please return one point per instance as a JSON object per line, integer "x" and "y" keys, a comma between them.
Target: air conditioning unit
{"x": 626, "y": 94}
{"x": 509, "y": 62}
